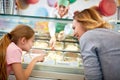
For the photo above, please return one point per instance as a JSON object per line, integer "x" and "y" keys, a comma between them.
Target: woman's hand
{"x": 52, "y": 42}
{"x": 61, "y": 36}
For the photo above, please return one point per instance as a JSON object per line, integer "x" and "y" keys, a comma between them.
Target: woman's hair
{"x": 17, "y": 33}
{"x": 91, "y": 19}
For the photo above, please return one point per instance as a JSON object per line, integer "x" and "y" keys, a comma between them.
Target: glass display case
{"x": 64, "y": 62}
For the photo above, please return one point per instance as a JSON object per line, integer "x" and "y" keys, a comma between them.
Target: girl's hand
{"x": 40, "y": 58}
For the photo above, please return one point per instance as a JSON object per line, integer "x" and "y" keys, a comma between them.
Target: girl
{"x": 11, "y": 46}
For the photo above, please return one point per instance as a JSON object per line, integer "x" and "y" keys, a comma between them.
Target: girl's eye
{"x": 73, "y": 27}
{"x": 33, "y": 41}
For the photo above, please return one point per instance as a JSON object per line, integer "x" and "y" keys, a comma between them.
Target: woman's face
{"x": 78, "y": 29}
{"x": 62, "y": 10}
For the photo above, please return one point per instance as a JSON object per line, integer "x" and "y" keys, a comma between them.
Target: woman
{"x": 11, "y": 46}
{"x": 100, "y": 46}
{"x": 62, "y": 11}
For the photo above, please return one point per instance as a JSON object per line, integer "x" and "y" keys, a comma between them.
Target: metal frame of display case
{"x": 36, "y": 18}
{"x": 56, "y": 75}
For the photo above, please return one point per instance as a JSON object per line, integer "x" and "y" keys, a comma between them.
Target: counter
{"x": 57, "y": 72}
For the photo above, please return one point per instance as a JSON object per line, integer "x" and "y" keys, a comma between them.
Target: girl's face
{"x": 28, "y": 44}
{"x": 62, "y": 10}
{"x": 78, "y": 29}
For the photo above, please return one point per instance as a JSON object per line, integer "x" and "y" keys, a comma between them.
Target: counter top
{"x": 56, "y": 72}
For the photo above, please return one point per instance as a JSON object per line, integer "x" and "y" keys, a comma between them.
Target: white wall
{"x": 78, "y": 5}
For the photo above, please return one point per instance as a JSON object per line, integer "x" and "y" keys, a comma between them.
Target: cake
{"x": 71, "y": 47}
{"x": 41, "y": 44}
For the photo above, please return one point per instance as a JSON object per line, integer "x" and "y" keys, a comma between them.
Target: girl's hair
{"x": 91, "y": 19}
{"x": 17, "y": 33}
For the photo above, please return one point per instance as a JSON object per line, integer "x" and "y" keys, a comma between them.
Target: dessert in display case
{"x": 64, "y": 62}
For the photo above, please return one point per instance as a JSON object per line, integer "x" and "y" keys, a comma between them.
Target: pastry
{"x": 71, "y": 47}
{"x": 40, "y": 44}
{"x": 69, "y": 56}
{"x": 59, "y": 46}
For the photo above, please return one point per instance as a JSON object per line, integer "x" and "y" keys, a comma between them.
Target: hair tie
{"x": 9, "y": 35}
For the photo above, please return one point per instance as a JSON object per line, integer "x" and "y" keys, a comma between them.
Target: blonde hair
{"x": 91, "y": 19}
{"x": 17, "y": 33}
